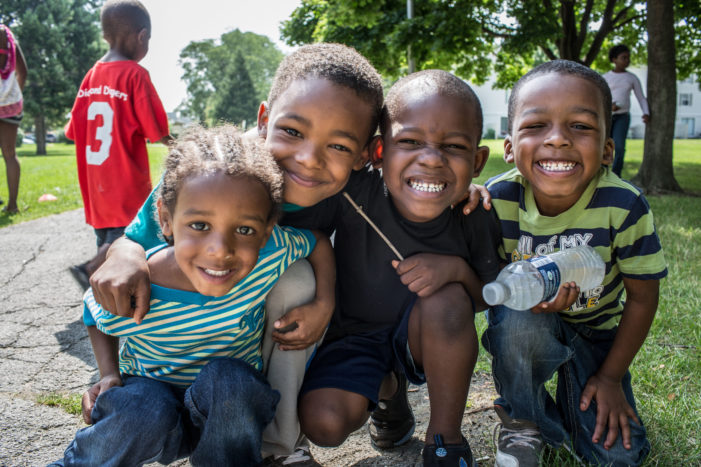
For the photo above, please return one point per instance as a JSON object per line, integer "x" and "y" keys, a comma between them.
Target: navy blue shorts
{"x": 358, "y": 363}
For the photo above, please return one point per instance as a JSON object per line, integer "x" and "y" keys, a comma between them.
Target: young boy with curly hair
{"x": 562, "y": 194}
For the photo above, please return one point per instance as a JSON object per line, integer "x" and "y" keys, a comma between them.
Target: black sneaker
{"x": 444, "y": 455}
{"x": 80, "y": 274}
{"x": 392, "y": 422}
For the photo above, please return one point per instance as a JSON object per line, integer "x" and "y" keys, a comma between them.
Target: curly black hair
{"x": 220, "y": 149}
{"x": 617, "y": 50}
{"x": 431, "y": 81}
{"x": 564, "y": 67}
{"x": 122, "y": 17}
{"x": 338, "y": 63}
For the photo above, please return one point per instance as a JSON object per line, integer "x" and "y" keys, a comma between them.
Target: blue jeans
{"x": 527, "y": 350}
{"x": 218, "y": 420}
{"x": 619, "y": 130}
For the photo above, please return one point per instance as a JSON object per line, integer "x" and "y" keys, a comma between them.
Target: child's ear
{"x": 263, "y": 114}
{"x": 508, "y": 150}
{"x": 481, "y": 156}
{"x": 164, "y": 219}
{"x": 375, "y": 151}
{"x": 608, "y": 151}
{"x": 143, "y": 36}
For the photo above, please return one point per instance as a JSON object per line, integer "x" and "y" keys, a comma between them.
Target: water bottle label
{"x": 550, "y": 273}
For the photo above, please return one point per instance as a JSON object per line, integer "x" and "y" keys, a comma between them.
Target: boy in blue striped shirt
{"x": 560, "y": 195}
{"x": 187, "y": 382}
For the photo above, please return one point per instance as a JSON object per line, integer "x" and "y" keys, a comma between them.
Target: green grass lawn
{"x": 666, "y": 372}
{"x": 54, "y": 174}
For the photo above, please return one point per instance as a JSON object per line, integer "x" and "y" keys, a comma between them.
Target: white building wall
{"x": 688, "y": 119}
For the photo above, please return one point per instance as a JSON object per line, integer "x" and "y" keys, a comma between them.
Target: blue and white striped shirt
{"x": 184, "y": 330}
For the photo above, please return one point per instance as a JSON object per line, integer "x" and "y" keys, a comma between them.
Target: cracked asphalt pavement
{"x": 44, "y": 349}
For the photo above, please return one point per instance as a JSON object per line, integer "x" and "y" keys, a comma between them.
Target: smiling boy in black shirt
{"x": 415, "y": 317}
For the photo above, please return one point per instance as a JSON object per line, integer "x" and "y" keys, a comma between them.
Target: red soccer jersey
{"x": 116, "y": 110}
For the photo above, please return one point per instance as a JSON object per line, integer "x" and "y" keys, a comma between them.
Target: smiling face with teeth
{"x": 559, "y": 138}
{"x": 430, "y": 152}
{"x": 219, "y": 224}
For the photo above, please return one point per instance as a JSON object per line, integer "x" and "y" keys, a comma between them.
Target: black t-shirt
{"x": 369, "y": 294}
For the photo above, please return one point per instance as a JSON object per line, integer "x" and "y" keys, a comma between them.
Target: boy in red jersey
{"x": 116, "y": 110}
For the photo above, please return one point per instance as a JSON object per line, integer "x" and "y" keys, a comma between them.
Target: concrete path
{"x": 44, "y": 349}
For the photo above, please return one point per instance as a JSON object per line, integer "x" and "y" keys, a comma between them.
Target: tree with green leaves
{"x": 61, "y": 40}
{"x": 235, "y": 101}
{"x": 474, "y": 38}
{"x": 442, "y": 34}
{"x": 209, "y": 64}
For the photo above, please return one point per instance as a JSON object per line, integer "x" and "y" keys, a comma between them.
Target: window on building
{"x": 684, "y": 99}
{"x": 504, "y": 127}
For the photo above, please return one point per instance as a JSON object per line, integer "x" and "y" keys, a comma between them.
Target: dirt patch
{"x": 477, "y": 426}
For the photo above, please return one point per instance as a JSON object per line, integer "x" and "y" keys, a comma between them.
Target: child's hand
{"x": 311, "y": 320}
{"x": 122, "y": 285}
{"x": 91, "y": 394}
{"x": 612, "y": 410}
{"x": 473, "y": 195}
{"x": 425, "y": 273}
{"x": 565, "y": 297}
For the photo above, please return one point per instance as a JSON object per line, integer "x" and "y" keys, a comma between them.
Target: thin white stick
{"x": 372, "y": 224}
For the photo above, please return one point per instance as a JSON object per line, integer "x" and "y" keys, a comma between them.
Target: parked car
{"x": 28, "y": 139}
{"x": 51, "y": 138}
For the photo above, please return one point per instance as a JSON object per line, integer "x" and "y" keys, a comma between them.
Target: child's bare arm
{"x": 308, "y": 322}
{"x": 105, "y": 348}
{"x": 425, "y": 273}
{"x": 122, "y": 277}
{"x": 166, "y": 140}
{"x": 20, "y": 67}
{"x": 613, "y": 409}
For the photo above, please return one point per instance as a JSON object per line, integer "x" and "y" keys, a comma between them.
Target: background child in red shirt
{"x": 116, "y": 110}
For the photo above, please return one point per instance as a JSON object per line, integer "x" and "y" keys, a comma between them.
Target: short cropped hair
{"x": 338, "y": 63}
{"x": 202, "y": 151}
{"x": 564, "y": 67}
{"x": 431, "y": 81}
{"x": 617, "y": 50}
{"x": 122, "y": 17}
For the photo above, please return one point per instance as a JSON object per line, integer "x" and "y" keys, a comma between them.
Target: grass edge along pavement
{"x": 665, "y": 372}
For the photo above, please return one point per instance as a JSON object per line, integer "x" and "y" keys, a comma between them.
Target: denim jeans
{"x": 619, "y": 130}
{"x": 218, "y": 420}
{"x": 527, "y": 350}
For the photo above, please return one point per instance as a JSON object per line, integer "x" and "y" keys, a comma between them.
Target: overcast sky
{"x": 176, "y": 23}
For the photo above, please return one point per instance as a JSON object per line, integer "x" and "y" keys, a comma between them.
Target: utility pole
{"x": 410, "y": 58}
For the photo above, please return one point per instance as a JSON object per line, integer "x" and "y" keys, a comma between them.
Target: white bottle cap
{"x": 495, "y": 293}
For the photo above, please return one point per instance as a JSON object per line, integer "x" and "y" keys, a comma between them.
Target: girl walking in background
{"x": 621, "y": 83}
{"x": 13, "y": 74}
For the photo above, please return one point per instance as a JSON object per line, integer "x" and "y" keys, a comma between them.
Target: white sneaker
{"x": 519, "y": 443}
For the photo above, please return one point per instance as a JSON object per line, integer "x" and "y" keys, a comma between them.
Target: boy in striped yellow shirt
{"x": 560, "y": 195}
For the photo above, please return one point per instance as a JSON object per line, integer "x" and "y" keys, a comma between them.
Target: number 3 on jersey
{"x": 103, "y": 133}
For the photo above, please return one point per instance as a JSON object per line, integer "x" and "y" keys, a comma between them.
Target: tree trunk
{"x": 40, "y": 134}
{"x": 656, "y": 174}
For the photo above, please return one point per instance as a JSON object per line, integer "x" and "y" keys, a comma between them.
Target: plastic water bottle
{"x": 523, "y": 284}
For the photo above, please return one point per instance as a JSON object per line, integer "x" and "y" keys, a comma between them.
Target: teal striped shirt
{"x": 184, "y": 330}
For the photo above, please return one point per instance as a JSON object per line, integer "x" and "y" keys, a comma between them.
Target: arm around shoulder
{"x": 122, "y": 285}
{"x": 307, "y": 323}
